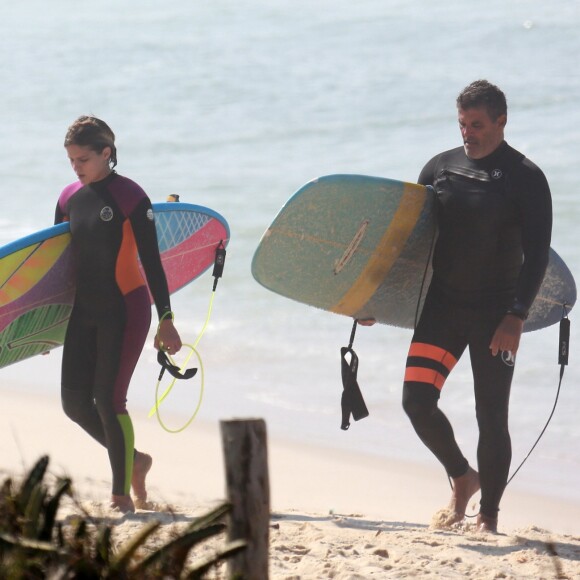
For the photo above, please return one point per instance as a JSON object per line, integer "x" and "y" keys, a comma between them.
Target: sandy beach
{"x": 334, "y": 514}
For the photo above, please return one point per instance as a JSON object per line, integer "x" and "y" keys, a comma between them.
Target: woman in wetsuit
{"x": 112, "y": 225}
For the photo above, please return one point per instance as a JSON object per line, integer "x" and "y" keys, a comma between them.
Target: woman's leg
{"x": 120, "y": 342}
{"x": 78, "y": 376}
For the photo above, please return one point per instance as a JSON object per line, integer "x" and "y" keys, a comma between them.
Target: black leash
{"x": 172, "y": 369}
{"x": 432, "y": 191}
{"x": 563, "y": 350}
{"x": 352, "y": 402}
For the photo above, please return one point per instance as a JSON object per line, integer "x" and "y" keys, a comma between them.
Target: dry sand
{"x": 334, "y": 514}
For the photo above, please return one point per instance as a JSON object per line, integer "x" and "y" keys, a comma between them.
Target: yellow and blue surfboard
{"x": 360, "y": 246}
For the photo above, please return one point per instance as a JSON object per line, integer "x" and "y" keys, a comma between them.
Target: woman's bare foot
{"x": 122, "y": 503}
{"x": 464, "y": 487}
{"x": 141, "y": 466}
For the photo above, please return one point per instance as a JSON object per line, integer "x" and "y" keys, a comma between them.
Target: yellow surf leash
{"x": 181, "y": 371}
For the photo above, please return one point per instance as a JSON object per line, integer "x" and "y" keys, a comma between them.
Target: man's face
{"x": 481, "y": 136}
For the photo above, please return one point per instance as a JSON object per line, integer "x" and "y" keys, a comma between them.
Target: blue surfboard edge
{"x": 191, "y": 207}
{"x": 63, "y": 228}
{"x": 34, "y": 238}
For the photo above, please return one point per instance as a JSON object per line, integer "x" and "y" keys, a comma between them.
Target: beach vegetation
{"x": 34, "y": 543}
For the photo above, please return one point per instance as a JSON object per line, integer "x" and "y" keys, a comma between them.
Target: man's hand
{"x": 366, "y": 321}
{"x": 507, "y": 335}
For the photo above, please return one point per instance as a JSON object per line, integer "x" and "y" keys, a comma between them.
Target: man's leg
{"x": 492, "y": 379}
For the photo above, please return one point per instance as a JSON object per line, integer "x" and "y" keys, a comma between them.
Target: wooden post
{"x": 248, "y": 490}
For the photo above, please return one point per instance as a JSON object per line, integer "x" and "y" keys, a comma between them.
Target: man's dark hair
{"x": 483, "y": 94}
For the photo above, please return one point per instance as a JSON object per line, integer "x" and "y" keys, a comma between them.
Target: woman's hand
{"x": 167, "y": 338}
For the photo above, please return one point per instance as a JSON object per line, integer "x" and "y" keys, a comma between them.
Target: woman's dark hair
{"x": 91, "y": 132}
{"x": 483, "y": 94}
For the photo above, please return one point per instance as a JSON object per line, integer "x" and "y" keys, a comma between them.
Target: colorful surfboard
{"x": 36, "y": 281}
{"x": 360, "y": 246}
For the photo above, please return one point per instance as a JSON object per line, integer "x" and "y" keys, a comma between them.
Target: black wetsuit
{"x": 494, "y": 228}
{"x": 111, "y": 224}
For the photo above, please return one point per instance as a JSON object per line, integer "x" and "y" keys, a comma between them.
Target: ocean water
{"x": 235, "y": 105}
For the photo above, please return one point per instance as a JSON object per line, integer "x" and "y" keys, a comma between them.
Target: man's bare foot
{"x": 464, "y": 487}
{"x": 122, "y": 503}
{"x": 486, "y": 524}
{"x": 141, "y": 466}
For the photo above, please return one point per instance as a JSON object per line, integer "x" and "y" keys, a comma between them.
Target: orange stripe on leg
{"x": 423, "y": 375}
{"x": 432, "y": 352}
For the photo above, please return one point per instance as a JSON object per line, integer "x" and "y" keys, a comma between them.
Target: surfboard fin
{"x": 352, "y": 402}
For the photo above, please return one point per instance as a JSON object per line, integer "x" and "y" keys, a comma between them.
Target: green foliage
{"x": 34, "y": 544}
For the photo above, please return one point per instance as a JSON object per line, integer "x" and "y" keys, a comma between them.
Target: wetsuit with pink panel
{"x": 112, "y": 227}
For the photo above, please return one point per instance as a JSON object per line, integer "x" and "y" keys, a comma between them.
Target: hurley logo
{"x": 508, "y": 358}
{"x": 496, "y": 173}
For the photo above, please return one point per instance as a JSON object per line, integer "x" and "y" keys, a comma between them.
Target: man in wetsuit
{"x": 111, "y": 222}
{"x": 494, "y": 226}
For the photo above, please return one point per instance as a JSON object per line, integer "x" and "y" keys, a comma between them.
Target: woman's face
{"x": 89, "y": 165}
